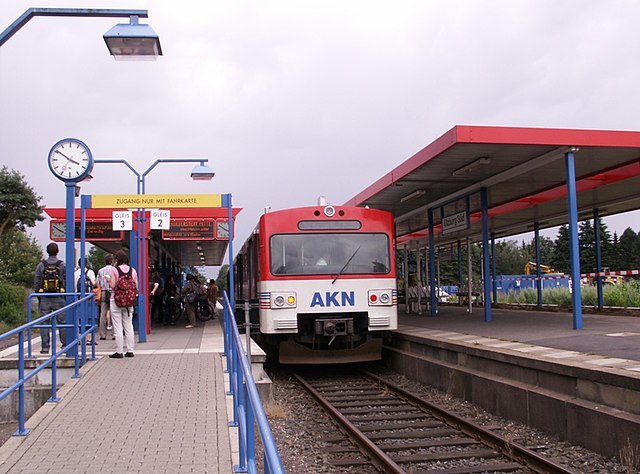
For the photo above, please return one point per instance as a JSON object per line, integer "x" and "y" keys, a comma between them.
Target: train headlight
{"x": 329, "y": 211}
{"x": 380, "y": 297}
{"x": 283, "y": 300}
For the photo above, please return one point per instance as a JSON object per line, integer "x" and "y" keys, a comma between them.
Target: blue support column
{"x": 485, "y": 253}
{"x": 69, "y": 250}
{"x": 433, "y": 294}
{"x": 596, "y": 228}
{"x": 493, "y": 268}
{"x": 574, "y": 252}
{"x": 143, "y": 276}
{"x": 226, "y": 202}
{"x": 536, "y": 228}
{"x": 133, "y": 255}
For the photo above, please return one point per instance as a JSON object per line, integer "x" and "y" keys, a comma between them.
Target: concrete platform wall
{"x": 597, "y": 409}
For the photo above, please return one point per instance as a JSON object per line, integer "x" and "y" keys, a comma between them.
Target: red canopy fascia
{"x": 177, "y": 213}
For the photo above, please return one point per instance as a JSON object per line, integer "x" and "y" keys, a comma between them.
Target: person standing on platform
{"x": 122, "y": 313}
{"x": 191, "y": 294}
{"x": 156, "y": 295}
{"x": 104, "y": 275}
{"x": 88, "y": 274}
{"x": 50, "y": 278}
{"x": 171, "y": 295}
{"x": 212, "y": 296}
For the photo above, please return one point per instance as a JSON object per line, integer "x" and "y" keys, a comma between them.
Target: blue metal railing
{"x": 83, "y": 317}
{"x": 247, "y": 406}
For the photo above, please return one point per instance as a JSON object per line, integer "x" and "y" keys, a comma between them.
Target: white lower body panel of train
{"x": 327, "y": 321}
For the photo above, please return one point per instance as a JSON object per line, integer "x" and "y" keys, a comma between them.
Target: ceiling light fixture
{"x": 413, "y": 195}
{"x": 485, "y": 160}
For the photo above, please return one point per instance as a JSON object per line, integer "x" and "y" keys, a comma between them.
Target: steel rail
{"x": 377, "y": 457}
{"x": 514, "y": 451}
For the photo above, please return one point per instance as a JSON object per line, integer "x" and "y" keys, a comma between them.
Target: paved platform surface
{"x": 164, "y": 410}
{"x": 606, "y": 340}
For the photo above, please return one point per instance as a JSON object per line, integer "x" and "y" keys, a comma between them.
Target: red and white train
{"x": 322, "y": 283}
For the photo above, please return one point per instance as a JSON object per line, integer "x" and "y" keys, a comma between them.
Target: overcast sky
{"x": 290, "y": 100}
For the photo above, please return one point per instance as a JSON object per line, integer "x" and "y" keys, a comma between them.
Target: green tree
{"x": 19, "y": 255}
{"x": 560, "y": 259}
{"x": 221, "y": 279}
{"x": 615, "y": 261}
{"x": 19, "y": 204}
{"x": 587, "y": 246}
{"x": 587, "y": 243}
{"x": 546, "y": 250}
{"x": 628, "y": 247}
{"x": 510, "y": 258}
{"x": 95, "y": 259}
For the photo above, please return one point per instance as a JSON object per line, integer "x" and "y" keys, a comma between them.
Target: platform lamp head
{"x": 202, "y": 172}
{"x": 133, "y": 41}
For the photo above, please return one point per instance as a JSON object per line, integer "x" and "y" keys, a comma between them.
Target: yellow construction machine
{"x": 607, "y": 279}
{"x": 530, "y": 268}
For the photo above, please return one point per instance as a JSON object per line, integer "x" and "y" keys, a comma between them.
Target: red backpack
{"x": 125, "y": 292}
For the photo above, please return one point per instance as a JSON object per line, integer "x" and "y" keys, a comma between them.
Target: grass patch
{"x": 274, "y": 410}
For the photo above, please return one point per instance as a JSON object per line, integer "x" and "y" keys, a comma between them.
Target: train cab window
{"x": 329, "y": 254}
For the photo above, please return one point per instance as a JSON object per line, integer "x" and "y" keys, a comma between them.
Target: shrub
{"x": 625, "y": 295}
{"x": 12, "y": 305}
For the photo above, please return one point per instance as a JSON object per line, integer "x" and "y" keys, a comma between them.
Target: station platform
{"x": 164, "y": 410}
{"x": 606, "y": 340}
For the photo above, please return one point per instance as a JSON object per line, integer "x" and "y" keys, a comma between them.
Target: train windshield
{"x": 329, "y": 254}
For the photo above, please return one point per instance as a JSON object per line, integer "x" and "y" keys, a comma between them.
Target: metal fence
{"x": 82, "y": 311}
{"x": 247, "y": 406}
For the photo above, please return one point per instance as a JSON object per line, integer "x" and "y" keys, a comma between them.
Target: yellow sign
{"x": 152, "y": 201}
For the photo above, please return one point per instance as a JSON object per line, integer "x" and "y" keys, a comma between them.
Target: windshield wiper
{"x": 345, "y": 265}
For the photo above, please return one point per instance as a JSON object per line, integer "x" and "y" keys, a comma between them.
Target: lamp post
{"x": 133, "y": 40}
{"x": 138, "y": 238}
{"x": 143, "y": 42}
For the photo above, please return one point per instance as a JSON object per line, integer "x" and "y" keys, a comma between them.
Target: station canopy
{"x": 524, "y": 172}
{"x": 194, "y": 235}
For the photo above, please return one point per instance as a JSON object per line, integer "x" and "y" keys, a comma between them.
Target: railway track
{"x": 391, "y": 430}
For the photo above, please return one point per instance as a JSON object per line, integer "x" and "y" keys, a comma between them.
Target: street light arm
{"x": 124, "y": 162}
{"x": 202, "y": 161}
{"x": 83, "y": 12}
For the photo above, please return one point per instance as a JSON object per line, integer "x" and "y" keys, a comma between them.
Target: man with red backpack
{"x": 124, "y": 283}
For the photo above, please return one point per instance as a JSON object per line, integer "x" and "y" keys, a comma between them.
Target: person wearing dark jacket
{"x": 50, "y": 278}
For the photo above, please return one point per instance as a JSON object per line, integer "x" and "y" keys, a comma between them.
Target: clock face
{"x": 70, "y": 160}
{"x": 222, "y": 229}
{"x": 58, "y": 230}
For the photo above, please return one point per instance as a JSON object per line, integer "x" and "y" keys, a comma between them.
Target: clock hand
{"x": 68, "y": 159}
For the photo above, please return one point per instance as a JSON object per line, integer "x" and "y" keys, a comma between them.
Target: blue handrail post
{"x": 251, "y": 438}
{"x": 29, "y": 302}
{"x": 74, "y": 342}
{"x": 21, "y": 429}
{"x": 243, "y": 427}
{"x": 235, "y": 385}
{"x": 54, "y": 363}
